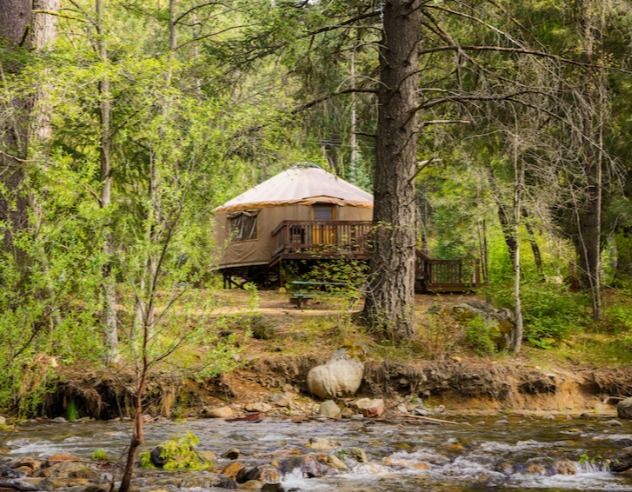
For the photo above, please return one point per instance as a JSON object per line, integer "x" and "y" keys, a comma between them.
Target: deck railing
{"x": 451, "y": 275}
{"x": 321, "y": 237}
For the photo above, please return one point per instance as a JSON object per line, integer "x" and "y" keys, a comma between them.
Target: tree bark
{"x": 15, "y": 22}
{"x": 108, "y": 283}
{"x": 589, "y": 205}
{"x": 535, "y": 248}
{"x": 517, "y": 206}
{"x": 390, "y": 300}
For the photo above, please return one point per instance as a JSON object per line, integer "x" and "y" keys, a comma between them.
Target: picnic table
{"x": 303, "y": 291}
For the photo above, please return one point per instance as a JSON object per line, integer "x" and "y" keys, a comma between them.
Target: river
{"x": 475, "y": 454}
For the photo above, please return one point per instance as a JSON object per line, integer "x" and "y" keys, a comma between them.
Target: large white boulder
{"x": 624, "y": 409}
{"x": 339, "y": 377}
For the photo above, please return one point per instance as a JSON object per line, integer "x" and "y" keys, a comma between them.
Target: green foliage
{"x": 550, "y": 312}
{"x": 178, "y": 454}
{"x": 345, "y": 277}
{"x": 100, "y": 455}
{"x": 72, "y": 412}
{"x": 481, "y": 336}
{"x": 618, "y": 319}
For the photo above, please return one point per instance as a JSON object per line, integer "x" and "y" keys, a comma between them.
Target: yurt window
{"x": 323, "y": 211}
{"x": 243, "y": 225}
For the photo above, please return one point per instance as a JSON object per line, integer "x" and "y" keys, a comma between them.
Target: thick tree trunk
{"x": 588, "y": 210}
{"x": 15, "y": 22}
{"x": 390, "y": 300}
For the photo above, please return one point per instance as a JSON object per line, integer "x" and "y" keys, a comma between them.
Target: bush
{"x": 549, "y": 311}
{"x": 481, "y": 336}
{"x": 175, "y": 454}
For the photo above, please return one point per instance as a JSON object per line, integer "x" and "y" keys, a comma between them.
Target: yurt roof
{"x": 304, "y": 185}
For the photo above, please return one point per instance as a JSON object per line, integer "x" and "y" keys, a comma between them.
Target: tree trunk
{"x": 517, "y": 206}
{"x": 108, "y": 279}
{"x": 15, "y": 22}
{"x": 137, "y": 430}
{"x": 390, "y": 300}
{"x": 588, "y": 209}
{"x": 535, "y": 249}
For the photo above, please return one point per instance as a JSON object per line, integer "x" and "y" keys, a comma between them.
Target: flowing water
{"x": 474, "y": 455}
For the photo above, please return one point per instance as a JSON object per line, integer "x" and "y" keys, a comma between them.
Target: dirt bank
{"x": 433, "y": 367}
{"x": 461, "y": 386}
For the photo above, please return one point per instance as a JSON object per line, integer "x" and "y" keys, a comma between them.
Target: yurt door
{"x": 324, "y": 233}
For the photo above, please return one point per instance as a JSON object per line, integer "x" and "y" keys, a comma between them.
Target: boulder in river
{"x": 262, "y": 473}
{"x": 622, "y": 461}
{"x": 564, "y": 467}
{"x": 624, "y": 409}
{"x": 340, "y": 376}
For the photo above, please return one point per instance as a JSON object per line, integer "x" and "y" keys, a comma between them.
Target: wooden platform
{"x": 313, "y": 241}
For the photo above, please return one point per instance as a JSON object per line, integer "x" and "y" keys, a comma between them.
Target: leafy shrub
{"x": 100, "y": 455}
{"x": 481, "y": 336}
{"x": 177, "y": 454}
{"x": 549, "y": 311}
{"x": 618, "y": 319}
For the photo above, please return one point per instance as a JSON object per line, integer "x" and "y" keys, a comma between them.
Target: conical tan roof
{"x": 300, "y": 185}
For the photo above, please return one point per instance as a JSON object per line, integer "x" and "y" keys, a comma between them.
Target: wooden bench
{"x": 303, "y": 291}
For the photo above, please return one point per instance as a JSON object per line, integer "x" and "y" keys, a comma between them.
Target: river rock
{"x": 155, "y": 457}
{"x": 232, "y": 454}
{"x": 61, "y": 457}
{"x": 329, "y": 409}
{"x": 68, "y": 469}
{"x": 312, "y": 467}
{"x": 613, "y": 423}
{"x": 624, "y": 409}
{"x": 341, "y": 376}
{"x": 358, "y": 454}
{"x": 322, "y": 444}
{"x": 232, "y": 470}
{"x": 281, "y": 399}
{"x": 225, "y": 482}
{"x": 104, "y": 487}
{"x": 206, "y": 456}
{"x": 564, "y": 467}
{"x": 28, "y": 462}
{"x": 218, "y": 413}
{"x": 251, "y": 485}
{"x": 261, "y": 473}
{"x": 337, "y": 463}
{"x": 370, "y": 408}
{"x": 259, "y": 407}
{"x": 621, "y": 461}
{"x": 536, "y": 469}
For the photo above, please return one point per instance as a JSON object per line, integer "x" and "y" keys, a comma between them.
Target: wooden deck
{"x": 312, "y": 239}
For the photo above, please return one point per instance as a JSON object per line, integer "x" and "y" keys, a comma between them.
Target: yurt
{"x": 301, "y": 213}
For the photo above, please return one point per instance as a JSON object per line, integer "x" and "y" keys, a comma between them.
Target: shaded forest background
{"x": 124, "y": 124}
